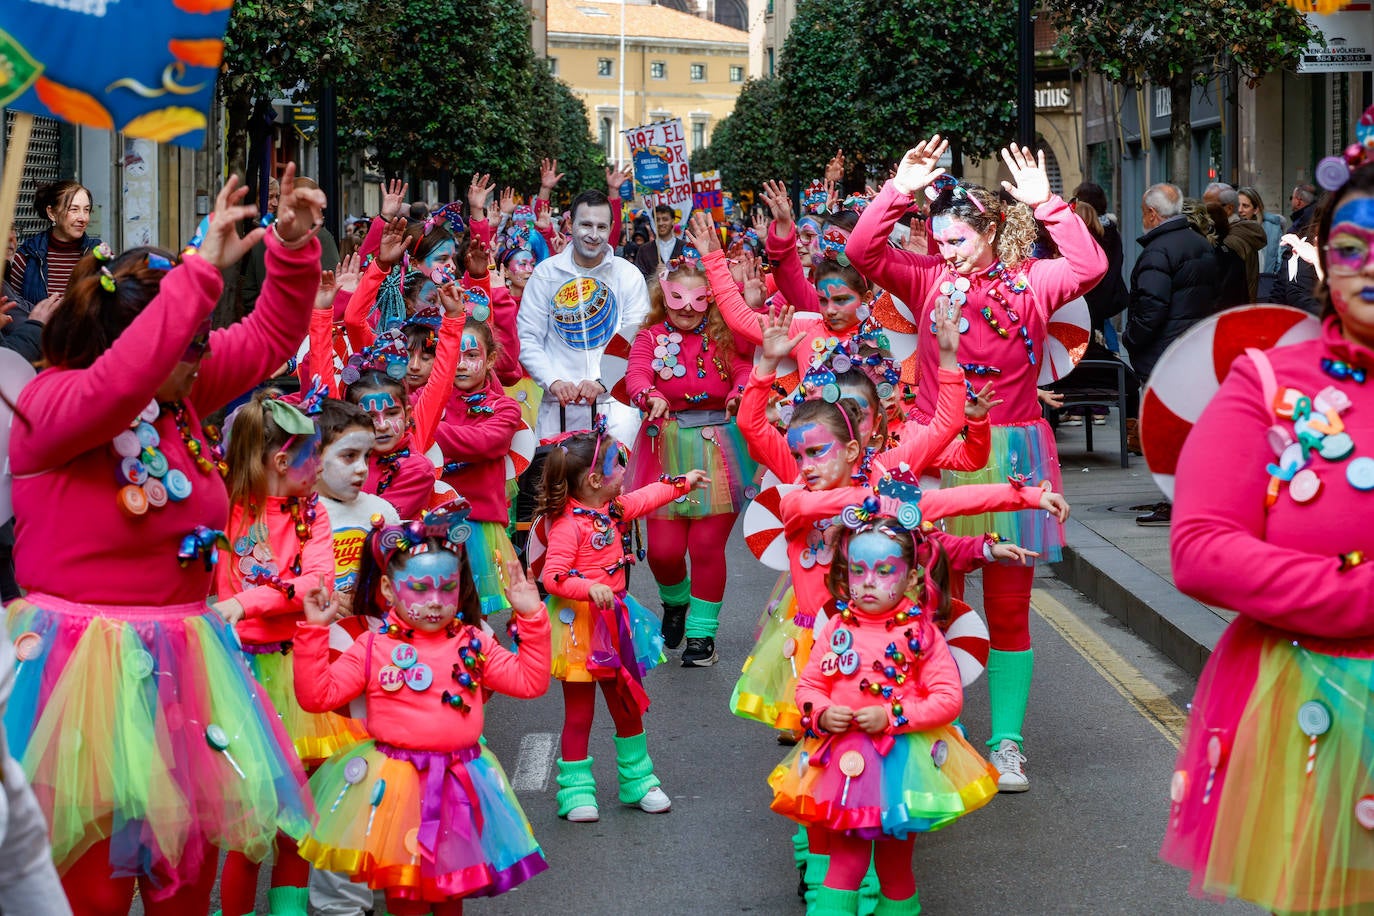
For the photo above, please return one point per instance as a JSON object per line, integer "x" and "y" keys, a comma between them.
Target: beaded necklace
{"x": 390, "y": 465}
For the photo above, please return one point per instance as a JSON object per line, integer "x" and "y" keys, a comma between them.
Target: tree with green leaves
{"x": 870, "y": 76}
{"x": 747, "y": 146}
{"x": 564, "y": 133}
{"x": 1179, "y": 43}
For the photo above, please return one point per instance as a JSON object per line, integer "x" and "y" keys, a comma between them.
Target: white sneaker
{"x": 1009, "y": 763}
{"x": 584, "y": 814}
{"x": 655, "y": 801}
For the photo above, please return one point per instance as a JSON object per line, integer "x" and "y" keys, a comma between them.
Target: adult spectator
{"x": 1296, "y": 281}
{"x": 1210, "y": 222}
{"x": 665, "y": 246}
{"x": 1174, "y": 284}
{"x": 1304, "y": 196}
{"x": 254, "y": 268}
{"x": 1245, "y": 237}
{"x": 574, "y": 303}
{"x": 43, "y": 264}
{"x": 419, "y": 211}
{"x": 1251, "y": 206}
{"x": 1109, "y": 297}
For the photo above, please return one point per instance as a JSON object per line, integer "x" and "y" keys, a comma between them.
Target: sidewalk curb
{"x": 1183, "y": 629}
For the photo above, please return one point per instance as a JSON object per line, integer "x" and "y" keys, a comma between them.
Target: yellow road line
{"x": 1139, "y": 691}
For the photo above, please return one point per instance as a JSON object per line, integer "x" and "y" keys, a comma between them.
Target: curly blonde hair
{"x": 717, "y": 331}
{"x": 1015, "y": 223}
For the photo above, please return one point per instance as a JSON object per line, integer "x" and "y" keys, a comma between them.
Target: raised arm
{"x": 766, "y": 445}
{"x": 317, "y": 560}
{"x": 652, "y": 496}
{"x": 434, "y": 397}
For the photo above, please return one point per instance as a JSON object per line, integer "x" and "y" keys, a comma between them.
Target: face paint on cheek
{"x": 427, "y": 588}
{"x": 340, "y": 475}
{"x": 304, "y": 468}
{"x": 877, "y": 567}
{"x": 940, "y": 224}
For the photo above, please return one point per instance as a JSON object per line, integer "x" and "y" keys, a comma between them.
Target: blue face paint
{"x": 1358, "y": 210}
{"x": 427, "y": 588}
{"x": 377, "y": 402}
{"x": 878, "y": 573}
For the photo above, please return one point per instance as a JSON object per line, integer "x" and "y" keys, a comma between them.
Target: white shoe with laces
{"x": 655, "y": 801}
{"x": 1010, "y": 765}
{"x": 584, "y": 814}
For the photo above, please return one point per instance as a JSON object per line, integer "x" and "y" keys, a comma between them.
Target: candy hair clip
{"x": 1334, "y": 171}
{"x": 451, "y": 215}
{"x": 430, "y": 316}
{"x": 690, "y": 257}
{"x": 957, "y": 189}
{"x": 814, "y": 198}
{"x": 158, "y": 262}
{"x": 856, "y": 203}
{"x": 103, "y": 252}
{"x": 313, "y": 401}
{"x": 832, "y": 246}
{"x": 449, "y": 523}
{"x": 107, "y": 280}
{"x": 388, "y": 355}
{"x": 903, "y": 486}
{"x": 477, "y": 303}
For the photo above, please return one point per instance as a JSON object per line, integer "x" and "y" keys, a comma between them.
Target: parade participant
{"x": 1271, "y": 797}
{"x": 604, "y": 636}
{"x": 475, "y": 435}
{"x": 282, "y": 544}
{"x": 422, "y": 810}
{"x": 686, "y": 375}
{"x": 180, "y": 750}
{"x": 43, "y": 264}
{"x": 573, "y": 304}
{"x": 825, "y": 238}
{"x": 882, "y": 760}
{"x": 1004, "y": 300}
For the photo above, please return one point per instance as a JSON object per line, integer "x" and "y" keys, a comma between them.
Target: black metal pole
{"x": 1025, "y": 74}
{"x": 329, "y": 159}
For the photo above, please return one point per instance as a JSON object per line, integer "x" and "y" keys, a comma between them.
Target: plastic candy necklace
{"x": 391, "y": 466}
{"x": 146, "y": 477}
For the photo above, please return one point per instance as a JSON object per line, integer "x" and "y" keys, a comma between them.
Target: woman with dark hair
{"x": 43, "y": 264}
{"x": 1272, "y": 795}
{"x": 147, "y": 742}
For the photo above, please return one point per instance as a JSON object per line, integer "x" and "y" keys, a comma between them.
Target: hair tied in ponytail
{"x": 103, "y": 252}
{"x": 107, "y": 280}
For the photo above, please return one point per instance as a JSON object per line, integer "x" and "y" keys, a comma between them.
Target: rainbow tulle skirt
{"x": 316, "y": 736}
{"x": 767, "y": 685}
{"x": 589, "y": 643}
{"x": 666, "y": 447}
{"x": 489, "y": 550}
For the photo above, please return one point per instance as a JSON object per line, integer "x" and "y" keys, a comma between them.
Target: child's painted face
{"x": 868, "y": 417}
{"x": 389, "y": 418}
{"x": 427, "y": 590}
{"x": 343, "y": 469}
{"x": 878, "y": 573}
{"x": 419, "y": 368}
{"x": 963, "y": 247}
{"x": 519, "y": 268}
{"x": 1350, "y": 267}
{"x": 303, "y": 467}
{"x": 822, "y": 462}
{"x": 439, "y": 261}
{"x": 809, "y": 240}
{"x": 839, "y": 303}
{"x": 473, "y": 364}
{"x": 686, "y": 300}
{"x": 610, "y": 464}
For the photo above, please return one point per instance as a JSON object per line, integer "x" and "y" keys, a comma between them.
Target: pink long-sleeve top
{"x": 577, "y": 556}
{"x": 916, "y": 279}
{"x": 932, "y": 695}
{"x": 405, "y": 478}
{"x": 1277, "y": 565}
{"x": 744, "y": 321}
{"x": 419, "y": 719}
{"x": 476, "y": 434}
{"x": 71, "y": 538}
{"x": 709, "y": 372}
{"x": 787, "y": 269}
{"x": 268, "y": 614}
{"x": 503, "y": 328}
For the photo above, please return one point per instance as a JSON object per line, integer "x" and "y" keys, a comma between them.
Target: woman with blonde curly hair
{"x": 985, "y": 277}
{"x": 686, "y": 375}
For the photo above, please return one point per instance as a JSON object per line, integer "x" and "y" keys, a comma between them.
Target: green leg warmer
{"x": 675, "y": 594}
{"x": 288, "y": 901}
{"x": 703, "y": 619}
{"x": 800, "y": 846}
{"x": 1009, "y": 680}
{"x": 889, "y": 907}
{"x": 816, "y": 868}
{"x": 635, "y": 769}
{"x": 576, "y": 785}
{"x": 832, "y": 902}
{"x": 868, "y": 891}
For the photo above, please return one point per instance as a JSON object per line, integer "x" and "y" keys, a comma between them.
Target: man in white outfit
{"x": 574, "y": 303}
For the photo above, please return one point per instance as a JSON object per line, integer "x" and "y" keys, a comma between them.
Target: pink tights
{"x": 238, "y": 887}
{"x": 849, "y": 858}
{"x": 1006, "y": 604}
{"x": 579, "y": 708}
{"x": 93, "y": 891}
{"x": 673, "y": 540}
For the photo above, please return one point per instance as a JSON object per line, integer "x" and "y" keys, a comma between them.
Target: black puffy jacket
{"x": 1175, "y": 283}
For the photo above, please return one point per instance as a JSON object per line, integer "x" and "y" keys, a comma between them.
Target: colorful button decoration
{"x": 1315, "y": 430}
{"x": 391, "y": 678}
{"x": 419, "y": 676}
{"x": 840, "y": 641}
{"x": 404, "y": 656}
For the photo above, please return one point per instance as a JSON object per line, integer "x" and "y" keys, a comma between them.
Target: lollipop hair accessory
{"x": 958, "y": 190}
{"x": 1334, "y": 171}
{"x": 449, "y": 523}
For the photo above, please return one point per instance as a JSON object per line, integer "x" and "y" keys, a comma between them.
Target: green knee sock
{"x": 1009, "y": 680}
{"x": 703, "y": 619}
{"x": 800, "y": 847}
{"x": 911, "y": 906}
{"x": 288, "y": 901}
{"x": 832, "y": 902}
{"x": 675, "y": 594}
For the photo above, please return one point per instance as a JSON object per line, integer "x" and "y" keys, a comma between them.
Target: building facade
{"x": 670, "y": 64}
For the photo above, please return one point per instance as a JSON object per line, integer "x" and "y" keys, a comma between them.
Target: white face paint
{"x": 590, "y": 230}
{"x": 345, "y": 465}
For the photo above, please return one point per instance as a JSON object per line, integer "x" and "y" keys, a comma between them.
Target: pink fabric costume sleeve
{"x": 787, "y": 269}
{"x": 649, "y": 497}
{"x": 740, "y": 318}
{"x": 970, "y": 453}
{"x": 766, "y": 445}
{"x": 523, "y": 674}
{"x": 561, "y": 556}
{"x": 639, "y": 370}
{"x": 800, "y": 508}
{"x": 1220, "y": 523}
{"x": 490, "y": 439}
{"x": 906, "y": 274}
{"x": 481, "y": 231}
{"x": 244, "y": 354}
{"x": 1080, "y": 266}
{"x": 812, "y": 686}
{"x": 94, "y": 404}
{"x": 372, "y": 242}
{"x": 965, "y": 552}
{"x": 938, "y": 693}
{"x": 921, "y": 444}
{"x": 613, "y": 237}
{"x": 317, "y": 559}
{"x": 977, "y": 498}
{"x": 322, "y": 351}
{"x": 429, "y": 407}
{"x": 322, "y": 686}
{"x": 360, "y": 332}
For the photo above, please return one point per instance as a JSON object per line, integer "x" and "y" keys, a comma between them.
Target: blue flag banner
{"x": 145, "y": 67}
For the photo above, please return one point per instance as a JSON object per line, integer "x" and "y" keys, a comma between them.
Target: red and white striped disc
{"x": 763, "y": 526}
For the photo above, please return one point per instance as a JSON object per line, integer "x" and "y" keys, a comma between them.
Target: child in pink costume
{"x": 882, "y": 760}
{"x": 281, "y": 545}
{"x": 686, "y": 375}
{"x": 602, "y": 634}
{"x": 1003, "y": 301}
{"x": 422, "y": 809}
{"x": 1273, "y": 798}
{"x": 181, "y": 753}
